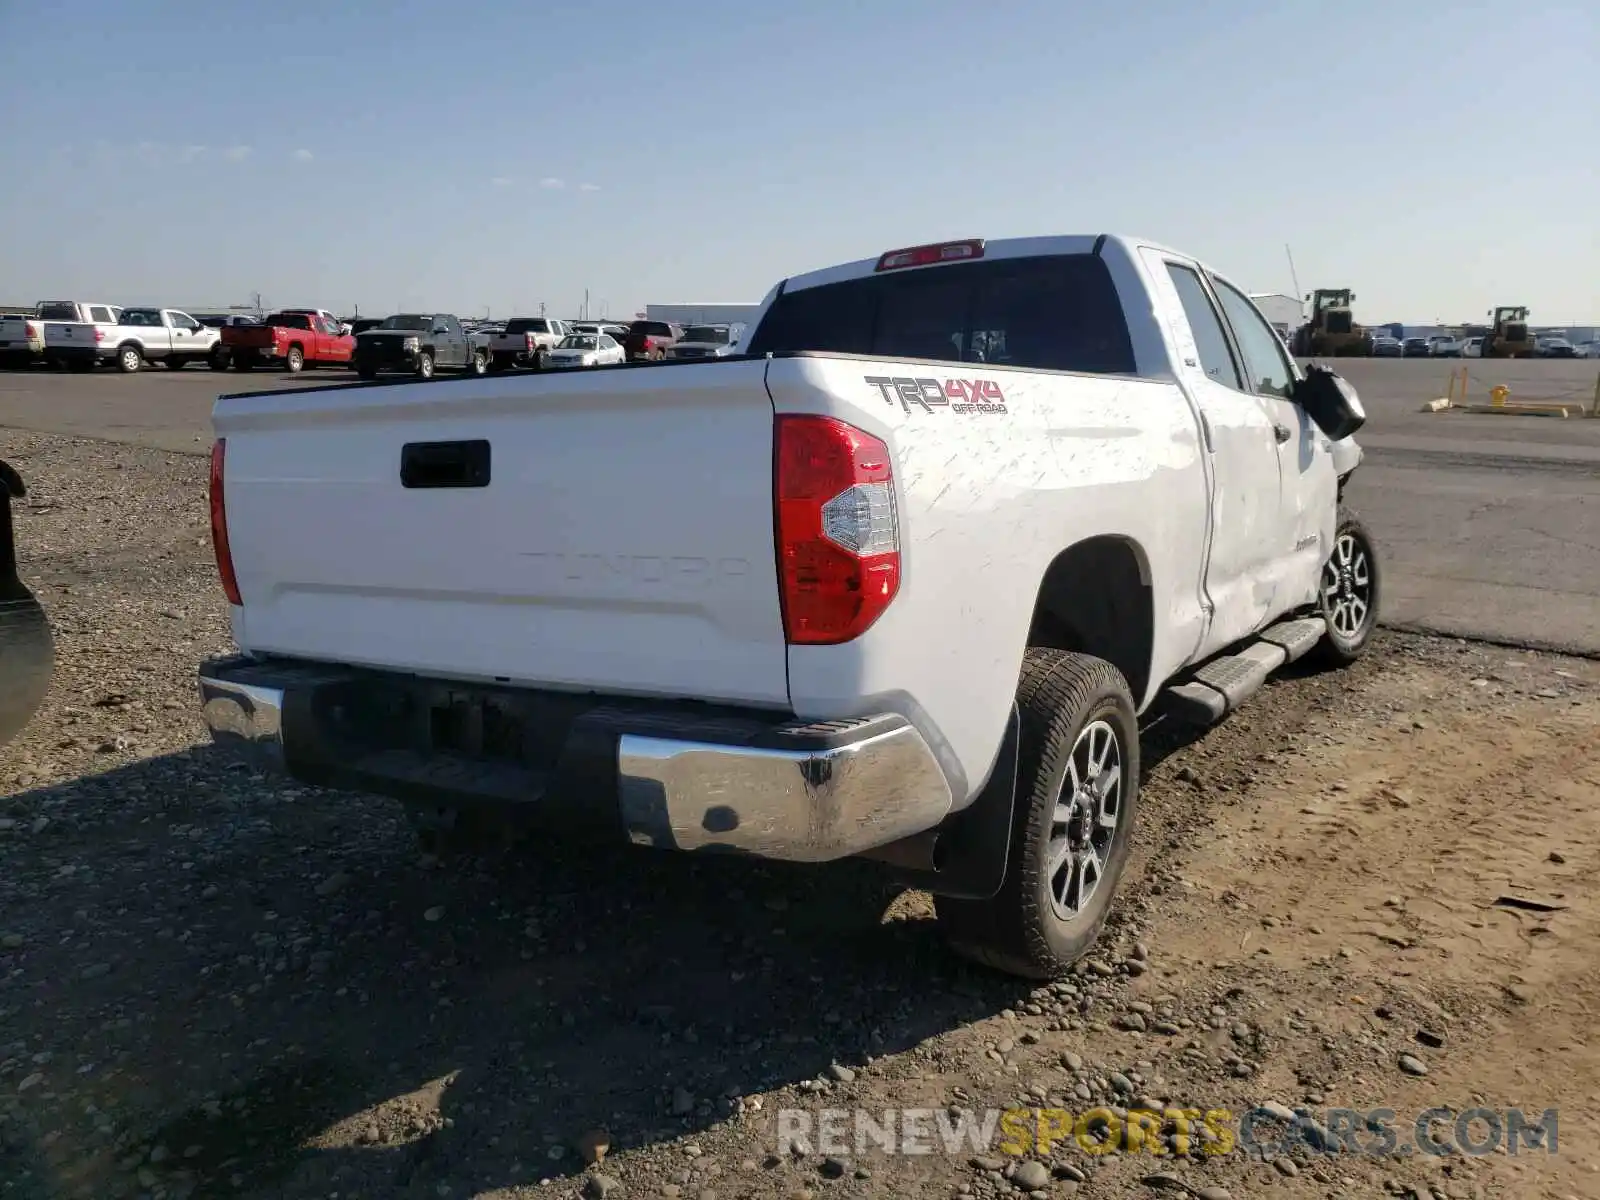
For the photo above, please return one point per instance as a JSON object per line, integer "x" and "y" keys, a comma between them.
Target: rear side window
{"x": 1059, "y": 313}
{"x": 100, "y": 314}
{"x": 1216, "y": 360}
{"x": 527, "y": 325}
{"x": 290, "y": 320}
{"x": 651, "y": 328}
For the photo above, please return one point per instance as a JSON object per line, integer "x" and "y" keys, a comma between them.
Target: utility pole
{"x": 541, "y": 308}
{"x": 585, "y": 304}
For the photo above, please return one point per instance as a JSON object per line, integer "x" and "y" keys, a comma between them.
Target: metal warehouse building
{"x": 1283, "y": 313}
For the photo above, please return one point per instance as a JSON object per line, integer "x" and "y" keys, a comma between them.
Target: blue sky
{"x": 1439, "y": 160}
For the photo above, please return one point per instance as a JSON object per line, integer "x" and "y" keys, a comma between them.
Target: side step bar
{"x": 1226, "y": 682}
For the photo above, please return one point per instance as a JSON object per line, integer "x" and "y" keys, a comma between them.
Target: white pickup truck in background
{"x": 525, "y": 342}
{"x": 896, "y": 581}
{"x": 139, "y": 335}
{"x": 22, "y": 338}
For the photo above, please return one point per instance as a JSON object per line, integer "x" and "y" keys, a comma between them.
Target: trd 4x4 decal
{"x": 958, "y": 395}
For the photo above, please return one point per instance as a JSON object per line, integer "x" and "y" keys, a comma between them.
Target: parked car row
{"x": 1443, "y": 345}
{"x": 81, "y": 335}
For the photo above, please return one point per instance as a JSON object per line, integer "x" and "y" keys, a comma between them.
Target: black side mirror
{"x": 1330, "y": 401}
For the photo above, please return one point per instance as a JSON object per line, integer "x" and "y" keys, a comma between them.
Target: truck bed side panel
{"x": 987, "y": 499}
{"x": 623, "y": 545}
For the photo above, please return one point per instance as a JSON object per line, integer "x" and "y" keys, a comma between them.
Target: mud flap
{"x": 972, "y": 849}
{"x": 27, "y": 652}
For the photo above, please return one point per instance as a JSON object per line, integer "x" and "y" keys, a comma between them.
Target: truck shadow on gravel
{"x": 247, "y": 986}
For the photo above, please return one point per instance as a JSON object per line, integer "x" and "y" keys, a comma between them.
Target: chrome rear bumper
{"x": 672, "y": 776}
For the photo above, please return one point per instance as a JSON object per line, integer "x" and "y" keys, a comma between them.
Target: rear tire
{"x": 1077, "y": 796}
{"x": 129, "y": 359}
{"x": 1349, "y": 593}
{"x": 217, "y": 360}
{"x": 479, "y": 364}
{"x": 295, "y": 361}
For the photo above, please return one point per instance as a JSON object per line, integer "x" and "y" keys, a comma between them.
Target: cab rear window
{"x": 1054, "y": 312}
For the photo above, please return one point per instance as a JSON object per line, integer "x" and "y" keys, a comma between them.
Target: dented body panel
{"x": 989, "y": 495}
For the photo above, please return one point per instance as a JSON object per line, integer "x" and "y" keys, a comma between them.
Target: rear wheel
{"x": 129, "y": 359}
{"x": 217, "y": 360}
{"x": 1077, "y": 793}
{"x": 479, "y": 364}
{"x": 295, "y": 360}
{"x": 1349, "y": 594}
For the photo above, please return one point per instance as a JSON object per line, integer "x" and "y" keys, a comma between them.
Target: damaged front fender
{"x": 1347, "y": 457}
{"x": 27, "y": 651}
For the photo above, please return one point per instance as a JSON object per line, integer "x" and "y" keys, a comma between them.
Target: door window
{"x": 100, "y": 315}
{"x": 1264, "y": 360}
{"x": 1216, "y": 359}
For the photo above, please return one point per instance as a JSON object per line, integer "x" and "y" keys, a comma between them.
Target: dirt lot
{"x": 214, "y": 984}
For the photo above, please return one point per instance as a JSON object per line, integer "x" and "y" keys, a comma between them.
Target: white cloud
{"x": 303, "y": 156}
{"x": 237, "y": 153}
{"x": 190, "y": 153}
{"x": 588, "y": 187}
{"x": 552, "y": 183}
{"x": 500, "y": 181}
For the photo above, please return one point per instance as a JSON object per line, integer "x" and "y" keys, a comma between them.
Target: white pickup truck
{"x": 139, "y": 335}
{"x": 897, "y": 581}
{"x": 22, "y": 337}
{"x": 525, "y": 342}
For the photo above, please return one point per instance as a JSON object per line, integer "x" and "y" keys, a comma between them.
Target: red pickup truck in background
{"x": 295, "y": 337}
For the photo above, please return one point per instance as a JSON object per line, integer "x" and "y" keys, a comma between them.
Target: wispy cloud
{"x": 500, "y": 181}
{"x": 303, "y": 155}
{"x": 237, "y": 153}
{"x": 552, "y": 183}
{"x": 190, "y": 153}
{"x": 588, "y": 187}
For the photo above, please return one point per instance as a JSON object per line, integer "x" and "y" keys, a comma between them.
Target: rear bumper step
{"x": 673, "y": 776}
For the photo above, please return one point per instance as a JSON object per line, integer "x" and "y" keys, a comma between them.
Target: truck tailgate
{"x": 623, "y": 543}
{"x": 69, "y": 333}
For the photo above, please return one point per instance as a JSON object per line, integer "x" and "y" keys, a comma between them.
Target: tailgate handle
{"x": 445, "y": 464}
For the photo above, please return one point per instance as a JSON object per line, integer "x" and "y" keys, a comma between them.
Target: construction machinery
{"x": 1509, "y": 336}
{"x": 1332, "y": 330}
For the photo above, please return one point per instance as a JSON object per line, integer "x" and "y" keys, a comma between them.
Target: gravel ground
{"x": 218, "y": 984}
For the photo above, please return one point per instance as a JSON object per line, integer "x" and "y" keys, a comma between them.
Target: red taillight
{"x": 528, "y": 341}
{"x": 921, "y": 256}
{"x": 219, "y": 525}
{"x": 99, "y": 334}
{"x": 838, "y": 531}
{"x": 646, "y": 342}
